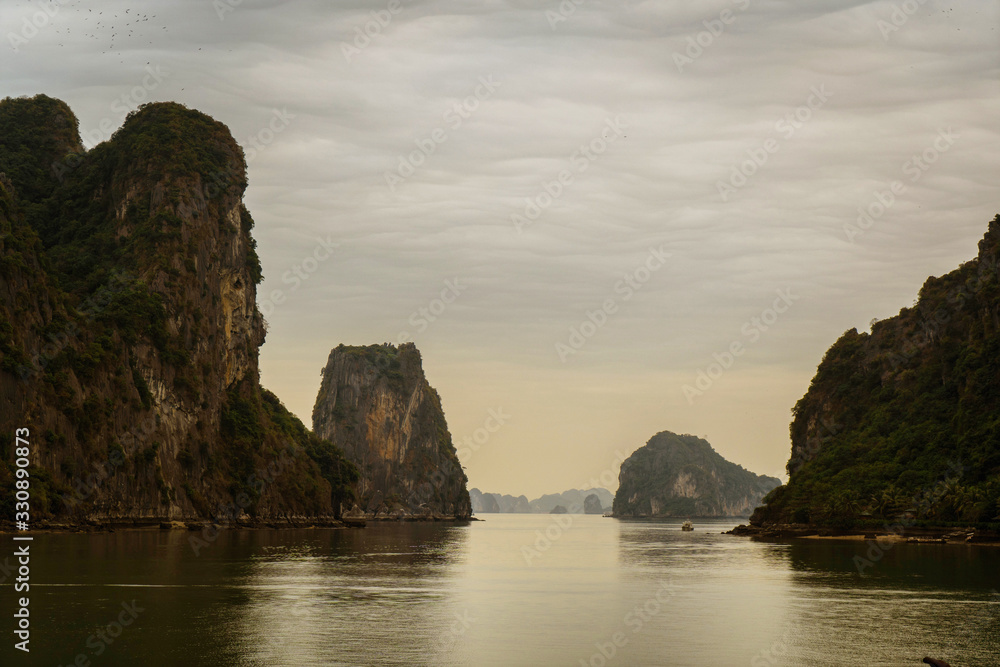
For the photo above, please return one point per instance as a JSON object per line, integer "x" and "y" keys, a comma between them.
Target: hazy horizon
{"x": 496, "y": 181}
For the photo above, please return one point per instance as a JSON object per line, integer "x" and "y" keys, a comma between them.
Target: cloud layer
{"x": 536, "y": 153}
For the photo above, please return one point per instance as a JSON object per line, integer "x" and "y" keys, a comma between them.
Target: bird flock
{"x": 113, "y": 29}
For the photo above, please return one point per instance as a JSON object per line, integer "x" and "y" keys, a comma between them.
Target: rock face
{"x": 129, "y": 329}
{"x": 592, "y": 505}
{"x": 573, "y": 500}
{"x": 512, "y": 505}
{"x": 504, "y": 504}
{"x": 682, "y": 476}
{"x": 901, "y": 423}
{"x": 483, "y": 503}
{"x": 559, "y": 509}
{"x": 375, "y": 403}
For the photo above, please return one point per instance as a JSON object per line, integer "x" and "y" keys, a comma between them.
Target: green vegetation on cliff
{"x": 682, "y": 476}
{"x": 375, "y": 403}
{"x": 904, "y": 422}
{"x": 35, "y": 133}
{"x": 129, "y": 329}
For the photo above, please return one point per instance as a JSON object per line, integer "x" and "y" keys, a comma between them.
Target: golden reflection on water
{"x": 345, "y": 597}
{"x": 512, "y": 590}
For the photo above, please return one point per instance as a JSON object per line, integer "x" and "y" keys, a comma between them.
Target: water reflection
{"x": 439, "y": 594}
{"x": 726, "y": 587}
{"x": 805, "y": 602}
{"x": 868, "y": 564}
{"x": 377, "y": 596}
{"x": 894, "y": 603}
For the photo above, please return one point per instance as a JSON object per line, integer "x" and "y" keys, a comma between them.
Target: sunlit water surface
{"x": 499, "y": 592}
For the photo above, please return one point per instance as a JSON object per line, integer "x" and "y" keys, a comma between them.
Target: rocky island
{"x": 681, "y": 476}
{"x": 898, "y": 431}
{"x": 574, "y": 501}
{"x": 592, "y": 504}
{"x": 375, "y": 404}
{"x": 129, "y": 330}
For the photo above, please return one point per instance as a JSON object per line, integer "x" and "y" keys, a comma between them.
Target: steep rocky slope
{"x": 682, "y": 476}
{"x": 484, "y": 503}
{"x": 904, "y": 423}
{"x": 375, "y": 403}
{"x": 575, "y": 500}
{"x": 129, "y": 329}
{"x": 592, "y": 505}
{"x": 496, "y": 503}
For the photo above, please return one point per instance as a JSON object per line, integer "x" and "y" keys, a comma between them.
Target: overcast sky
{"x": 667, "y": 167}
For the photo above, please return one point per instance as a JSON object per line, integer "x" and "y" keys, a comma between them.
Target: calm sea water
{"x": 498, "y": 592}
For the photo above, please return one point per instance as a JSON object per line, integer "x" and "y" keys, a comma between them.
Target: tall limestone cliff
{"x": 682, "y": 476}
{"x": 129, "y": 330}
{"x": 375, "y": 403}
{"x": 903, "y": 424}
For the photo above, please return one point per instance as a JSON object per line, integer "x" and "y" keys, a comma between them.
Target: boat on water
{"x": 687, "y": 526}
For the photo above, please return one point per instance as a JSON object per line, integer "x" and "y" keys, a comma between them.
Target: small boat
{"x": 687, "y": 526}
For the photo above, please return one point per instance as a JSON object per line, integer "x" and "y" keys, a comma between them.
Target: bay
{"x": 510, "y": 590}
